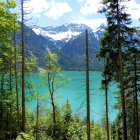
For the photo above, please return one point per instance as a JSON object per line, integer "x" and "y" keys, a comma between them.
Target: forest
{"x": 120, "y": 53}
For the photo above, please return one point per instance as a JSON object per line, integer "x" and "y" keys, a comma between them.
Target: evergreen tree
{"x": 117, "y": 38}
{"x": 131, "y": 70}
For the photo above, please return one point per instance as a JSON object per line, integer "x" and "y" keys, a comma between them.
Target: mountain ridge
{"x": 70, "y": 49}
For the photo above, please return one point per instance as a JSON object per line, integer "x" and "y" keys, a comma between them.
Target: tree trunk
{"x": 37, "y": 116}
{"x": 87, "y": 88}
{"x": 7, "y": 125}
{"x": 54, "y": 119}
{"x": 16, "y": 81}
{"x": 134, "y": 118}
{"x": 10, "y": 103}
{"x": 136, "y": 101}
{"x": 106, "y": 100}
{"x": 121, "y": 78}
{"x": 1, "y": 105}
{"x": 10, "y": 122}
{"x": 23, "y": 63}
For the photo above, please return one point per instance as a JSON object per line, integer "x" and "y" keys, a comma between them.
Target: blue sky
{"x": 58, "y": 12}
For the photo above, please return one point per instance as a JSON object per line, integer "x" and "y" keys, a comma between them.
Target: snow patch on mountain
{"x": 96, "y": 35}
{"x": 99, "y": 29}
{"x": 56, "y": 35}
{"x": 64, "y": 33}
{"x": 37, "y": 31}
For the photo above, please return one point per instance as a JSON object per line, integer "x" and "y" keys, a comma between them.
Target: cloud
{"x": 37, "y": 6}
{"x": 133, "y": 9}
{"x": 58, "y": 9}
{"x": 37, "y": 15}
{"x": 51, "y": 8}
{"x": 90, "y": 7}
{"x": 93, "y": 23}
{"x": 80, "y": 1}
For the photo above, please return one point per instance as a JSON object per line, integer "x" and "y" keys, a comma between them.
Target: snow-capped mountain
{"x": 65, "y": 32}
{"x": 67, "y": 41}
{"x": 98, "y": 32}
{"x": 55, "y": 35}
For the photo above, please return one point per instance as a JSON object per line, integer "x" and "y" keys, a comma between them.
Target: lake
{"x": 75, "y": 93}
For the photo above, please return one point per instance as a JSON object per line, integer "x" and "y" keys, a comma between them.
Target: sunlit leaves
{"x": 51, "y": 74}
{"x": 7, "y": 19}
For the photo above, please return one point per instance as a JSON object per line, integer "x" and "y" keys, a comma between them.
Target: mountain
{"x": 64, "y": 32}
{"x": 67, "y": 41}
{"x": 61, "y": 34}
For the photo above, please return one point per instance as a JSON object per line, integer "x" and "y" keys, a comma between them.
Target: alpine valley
{"x": 67, "y": 41}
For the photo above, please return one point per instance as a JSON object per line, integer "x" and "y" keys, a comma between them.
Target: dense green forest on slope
{"x": 121, "y": 64}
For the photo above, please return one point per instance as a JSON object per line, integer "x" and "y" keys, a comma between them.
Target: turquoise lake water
{"x": 75, "y": 92}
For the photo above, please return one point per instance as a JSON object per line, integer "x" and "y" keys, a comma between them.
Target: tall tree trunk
{"x": 10, "y": 104}
{"x": 121, "y": 77}
{"x": 54, "y": 119}
{"x": 1, "y": 104}
{"x": 7, "y": 125}
{"x": 106, "y": 100}
{"x": 87, "y": 88}
{"x": 10, "y": 121}
{"x": 136, "y": 100}
{"x": 23, "y": 63}
{"x": 52, "y": 101}
{"x": 16, "y": 81}
{"x": 134, "y": 118}
{"x": 37, "y": 116}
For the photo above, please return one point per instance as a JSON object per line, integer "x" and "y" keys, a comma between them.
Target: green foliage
{"x": 109, "y": 41}
{"x": 23, "y": 136}
{"x": 30, "y": 65}
{"x": 7, "y": 21}
{"x": 51, "y": 74}
{"x": 8, "y": 27}
{"x": 98, "y": 132}
{"x": 51, "y": 61}
{"x": 67, "y": 113}
{"x": 119, "y": 34}
{"x": 67, "y": 126}
{"x": 116, "y": 128}
{"x": 76, "y": 131}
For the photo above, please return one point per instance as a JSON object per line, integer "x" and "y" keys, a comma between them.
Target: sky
{"x": 58, "y": 12}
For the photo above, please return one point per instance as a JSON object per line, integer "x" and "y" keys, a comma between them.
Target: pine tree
{"x": 117, "y": 38}
{"x": 131, "y": 86}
